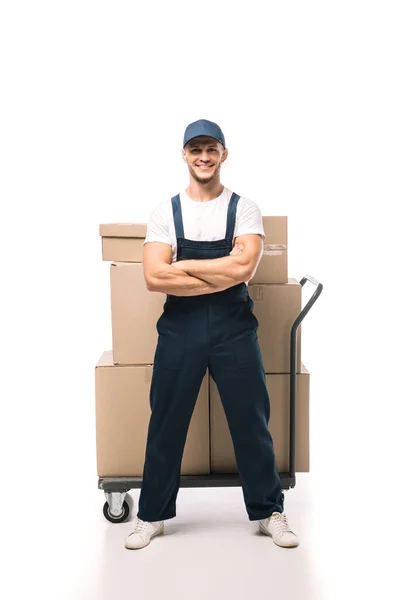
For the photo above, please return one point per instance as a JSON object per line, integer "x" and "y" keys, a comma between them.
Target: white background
{"x": 95, "y": 97}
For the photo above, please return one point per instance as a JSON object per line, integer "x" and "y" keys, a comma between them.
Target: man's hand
{"x": 237, "y": 249}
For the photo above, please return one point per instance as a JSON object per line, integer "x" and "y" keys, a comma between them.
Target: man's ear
{"x": 184, "y": 155}
{"x": 225, "y": 154}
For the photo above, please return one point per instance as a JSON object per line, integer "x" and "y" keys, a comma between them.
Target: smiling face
{"x": 204, "y": 156}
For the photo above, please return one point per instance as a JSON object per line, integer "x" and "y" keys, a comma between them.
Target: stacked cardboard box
{"x": 123, "y": 374}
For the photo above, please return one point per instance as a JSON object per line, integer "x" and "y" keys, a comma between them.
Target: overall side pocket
{"x": 170, "y": 351}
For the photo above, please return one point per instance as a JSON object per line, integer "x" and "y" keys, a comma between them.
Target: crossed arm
{"x": 194, "y": 277}
{"x": 228, "y": 270}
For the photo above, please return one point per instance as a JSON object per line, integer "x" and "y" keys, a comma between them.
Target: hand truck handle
{"x": 293, "y": 360}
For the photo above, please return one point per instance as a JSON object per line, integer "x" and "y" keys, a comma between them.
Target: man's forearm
{"x": 227, "y": 270}
{"x": 176, "y": 282}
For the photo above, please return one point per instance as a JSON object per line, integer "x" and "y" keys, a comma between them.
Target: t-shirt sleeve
{"x": 249, "y": 219}
{"x": 157, "y": 227}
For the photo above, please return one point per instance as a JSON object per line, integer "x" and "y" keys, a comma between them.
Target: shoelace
{"x": 281, "y": 522}
{"x": 140, "y": 526}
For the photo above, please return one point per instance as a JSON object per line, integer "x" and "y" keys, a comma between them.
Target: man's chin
{"x": 205, "y": 179}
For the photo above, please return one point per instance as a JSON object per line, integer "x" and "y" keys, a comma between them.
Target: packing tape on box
{"x": 274, "y": 249}
{"x": 257, "y": 292}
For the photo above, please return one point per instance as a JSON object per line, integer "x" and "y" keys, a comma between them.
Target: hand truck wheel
{"x": 116, "y": 508}
{"x": 113, "y": 519}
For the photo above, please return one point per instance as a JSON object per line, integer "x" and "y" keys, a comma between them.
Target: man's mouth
{"x": 203, "y": 167}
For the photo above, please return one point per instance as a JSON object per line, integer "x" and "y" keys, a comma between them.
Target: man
{"x": 201, "y": 249}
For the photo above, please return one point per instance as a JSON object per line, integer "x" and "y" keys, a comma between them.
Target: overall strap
{"x": 231, "y": 217}
{"x": 177, "y": 212}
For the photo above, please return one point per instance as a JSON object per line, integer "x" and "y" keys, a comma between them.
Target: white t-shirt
{"x": 203, "y": 221}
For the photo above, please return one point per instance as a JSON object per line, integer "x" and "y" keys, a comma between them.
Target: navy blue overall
{"x": 216, "y": 330}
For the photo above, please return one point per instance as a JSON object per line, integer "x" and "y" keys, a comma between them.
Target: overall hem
{"x": 152, "y": 519}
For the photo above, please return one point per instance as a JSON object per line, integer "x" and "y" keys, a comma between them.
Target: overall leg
{"x": 178, "y": 372}
{"x": 237, "y": 369}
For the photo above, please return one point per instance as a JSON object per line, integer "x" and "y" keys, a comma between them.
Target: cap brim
{"x": 203, "y": 135}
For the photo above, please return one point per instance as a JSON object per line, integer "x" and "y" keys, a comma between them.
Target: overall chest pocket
{"x": 203, "y": 250}
{"x": 202, "y": 254}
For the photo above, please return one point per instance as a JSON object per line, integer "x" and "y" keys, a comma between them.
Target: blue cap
{"x": 203, "y": 127}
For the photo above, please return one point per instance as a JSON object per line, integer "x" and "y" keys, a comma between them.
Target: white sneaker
{"x": 142, "y": 533}
{"x": 277, "y": 527}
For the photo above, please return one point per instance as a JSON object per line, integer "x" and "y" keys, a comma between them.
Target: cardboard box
{"x": 135, "y": 312}
{"x": 273, "y": 265}
{"x": 223, "y": 458}
{"x": 276, "y": 307}
{"x": 122, "y": 418}
{"x": 123, "y": 242}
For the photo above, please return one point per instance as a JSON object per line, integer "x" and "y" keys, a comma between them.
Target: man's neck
{"x": 204, "y": 192}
